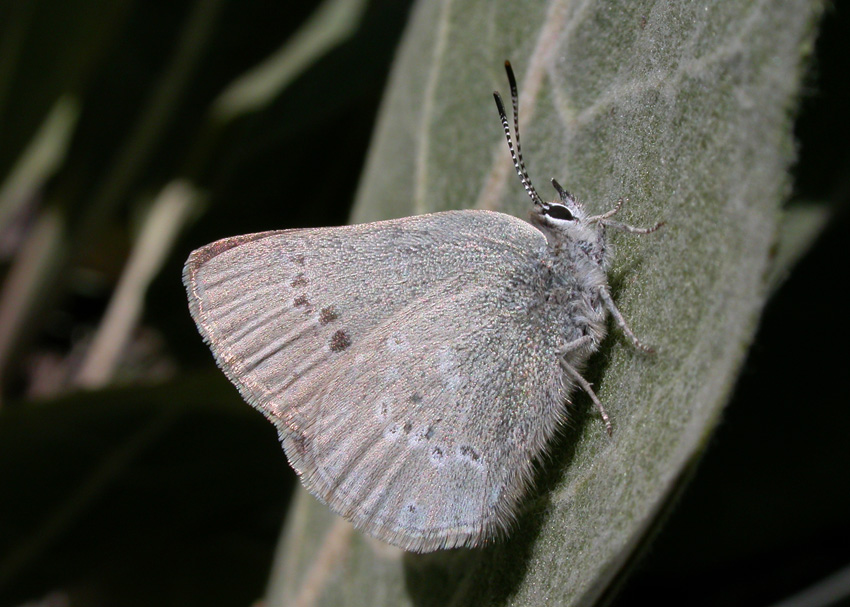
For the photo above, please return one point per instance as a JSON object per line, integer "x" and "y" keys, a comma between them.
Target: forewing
{"x": 400, "y": 361}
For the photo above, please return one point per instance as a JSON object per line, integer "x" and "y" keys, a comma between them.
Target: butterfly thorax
{"x": 575, "y": 265}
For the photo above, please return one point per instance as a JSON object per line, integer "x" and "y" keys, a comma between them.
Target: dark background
{"x": 150, "y": 493}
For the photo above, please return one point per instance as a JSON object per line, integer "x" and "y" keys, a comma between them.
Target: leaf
{"x": 684, "y": 109}
{"x": 801, "y": 223}
{"x": 110, "y": 494}
{"x": 332, "y": 23}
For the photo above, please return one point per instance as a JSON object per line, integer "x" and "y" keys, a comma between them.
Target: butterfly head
{"x": 565, "y": 220}
{"x": 561, "y": 220}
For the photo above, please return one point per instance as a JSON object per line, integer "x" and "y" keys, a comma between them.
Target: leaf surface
{"x": 686, "y": 110}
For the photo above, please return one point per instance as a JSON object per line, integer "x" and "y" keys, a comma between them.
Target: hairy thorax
{"x": 573, "y": 305}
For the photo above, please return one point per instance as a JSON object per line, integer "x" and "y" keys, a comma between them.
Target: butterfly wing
{"x": 403, "y": 362}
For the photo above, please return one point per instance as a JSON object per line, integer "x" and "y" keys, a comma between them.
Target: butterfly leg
{"x": 583, "y": 383}
{"x": 632, "y": 229}
{"x": 622, "y": 226}
{"x": 575, "y": 345}
{"x": 610, "y": 213}
{"x": 624, "y": 327}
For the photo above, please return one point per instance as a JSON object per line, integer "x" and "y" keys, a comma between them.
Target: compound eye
{"x": 557, "y": 211}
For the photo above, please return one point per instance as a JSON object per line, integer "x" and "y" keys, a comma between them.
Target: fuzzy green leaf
{"x": 686, "y": 110}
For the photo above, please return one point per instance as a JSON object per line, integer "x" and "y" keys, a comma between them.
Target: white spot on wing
{"x": 392, "y": 432}
{"x": 448, "y": 368}
{"x": 397, "y": 343}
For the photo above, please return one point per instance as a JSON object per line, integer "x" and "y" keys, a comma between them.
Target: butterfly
{"x": 415, "y": 368}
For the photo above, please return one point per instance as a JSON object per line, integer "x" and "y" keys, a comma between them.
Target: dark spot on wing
{"x": 300, "y": 442}
{"x": 327, "y": 315}
{"x": 416, "y": 397}
{"x": 411, "y": 508}
{"x": 437, "y": 453}
{"x": 407, "y": 427}
{"x": 469, "y": 452}
{"x": 299, "y": 281}
{"x": 301, "y": 301}
{"x": 340, "y": 341}
{"x": 429, "y": 432}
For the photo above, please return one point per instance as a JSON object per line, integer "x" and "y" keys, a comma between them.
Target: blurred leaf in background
{"x": 132, "y": 132}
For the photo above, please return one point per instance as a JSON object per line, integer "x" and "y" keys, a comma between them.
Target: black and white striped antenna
{"x": 516, "y": 155}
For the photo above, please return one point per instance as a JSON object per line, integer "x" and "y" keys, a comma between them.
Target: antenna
{"x": 516, "y": 156}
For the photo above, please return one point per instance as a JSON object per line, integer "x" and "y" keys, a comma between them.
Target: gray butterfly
{"x": 414, "y": 368}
